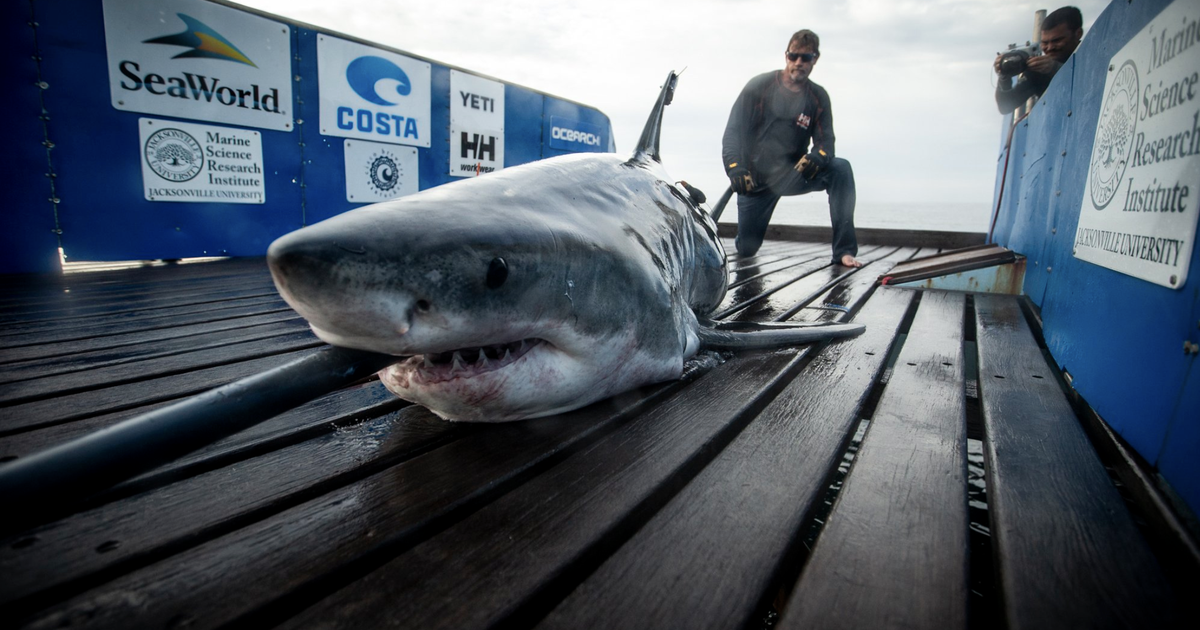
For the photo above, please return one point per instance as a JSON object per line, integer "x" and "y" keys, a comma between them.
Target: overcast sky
{"x": 910, "y": 81}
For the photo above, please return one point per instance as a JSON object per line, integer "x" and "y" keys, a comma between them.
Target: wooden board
{"x": 708, "y": 557}
{"x": 1068, "y": 554}
{"x": 237, "y": 575}
{"x": 894, "y": 550}
{"x": 685, "y": 504}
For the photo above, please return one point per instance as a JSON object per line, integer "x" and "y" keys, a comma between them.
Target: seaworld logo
{"x": 364, "y": 74}
{"x": 205, "y": 43}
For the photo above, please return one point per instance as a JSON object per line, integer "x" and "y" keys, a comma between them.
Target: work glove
{"x": 809, "y": 165}
{"x": 740, "y": 179}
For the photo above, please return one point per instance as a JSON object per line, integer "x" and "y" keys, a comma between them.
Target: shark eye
{"x": 497, "y": 273}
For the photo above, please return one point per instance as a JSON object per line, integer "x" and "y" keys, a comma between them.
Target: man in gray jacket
{"x": 766, "y": 149}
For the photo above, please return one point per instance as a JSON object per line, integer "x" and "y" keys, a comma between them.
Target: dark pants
{"x": 755, "y": 209}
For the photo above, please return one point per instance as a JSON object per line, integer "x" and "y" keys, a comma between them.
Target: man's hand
{"x": 996, "y": 67}
{"x": 1042, "y": 64}
{"x": 809, "y": 165}
{"x": 740, "y": 179}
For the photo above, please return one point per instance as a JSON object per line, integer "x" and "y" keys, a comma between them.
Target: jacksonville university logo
{"x": 1114, "y": 135}
{"x": 174, "y": 155}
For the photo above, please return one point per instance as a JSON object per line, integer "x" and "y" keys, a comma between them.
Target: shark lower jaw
{"x": 465, "y": 363}
{"x": 494, "y": 383}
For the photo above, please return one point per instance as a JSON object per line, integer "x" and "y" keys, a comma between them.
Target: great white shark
{"x": 527, "y": 292}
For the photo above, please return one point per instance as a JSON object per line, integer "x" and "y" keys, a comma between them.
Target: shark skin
{"x": 531, "y": 291}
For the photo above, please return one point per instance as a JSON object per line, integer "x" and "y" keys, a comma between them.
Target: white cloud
{"x": 910, "y": 80}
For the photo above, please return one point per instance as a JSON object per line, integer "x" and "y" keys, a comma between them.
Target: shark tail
{"x": 755, "y": 336}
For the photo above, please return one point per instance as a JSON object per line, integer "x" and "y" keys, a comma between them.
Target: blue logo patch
{"x": 575, "y": 135}
{"x": 363, "y": 73}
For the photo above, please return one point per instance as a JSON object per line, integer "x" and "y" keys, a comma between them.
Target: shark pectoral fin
{"x": 752, "y": 336}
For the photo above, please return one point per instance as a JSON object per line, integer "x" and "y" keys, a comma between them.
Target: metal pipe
{"x": 50, "y": 482}
{"x": 1039, "y": 16}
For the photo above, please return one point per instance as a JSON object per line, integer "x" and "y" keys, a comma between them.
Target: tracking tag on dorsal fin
{"x": 647, "y": 147}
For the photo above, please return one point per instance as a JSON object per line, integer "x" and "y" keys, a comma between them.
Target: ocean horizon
{"x": 943, "y": 216}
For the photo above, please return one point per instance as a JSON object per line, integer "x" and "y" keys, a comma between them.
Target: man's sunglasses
{"x": 805, "y": 57}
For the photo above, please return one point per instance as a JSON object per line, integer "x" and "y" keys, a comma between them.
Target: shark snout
{"x": 338, "y": 286}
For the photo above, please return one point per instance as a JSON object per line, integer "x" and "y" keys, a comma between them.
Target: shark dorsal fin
{"x": 647, "y": 147}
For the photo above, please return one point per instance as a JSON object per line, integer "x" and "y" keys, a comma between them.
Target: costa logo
{"x": 365, "y": 73}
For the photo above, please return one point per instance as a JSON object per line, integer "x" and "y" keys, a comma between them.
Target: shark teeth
{"x": 468, "y": 362}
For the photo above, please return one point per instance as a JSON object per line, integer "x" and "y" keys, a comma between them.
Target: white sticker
{"x": 379, "y": 172}
{"x": 476, "y": 125}
{"x": 199, "y": 60}
{"x": 1142, "y": 196}
{"x": 372, "y": 94}
{"x": 200, "y": 163}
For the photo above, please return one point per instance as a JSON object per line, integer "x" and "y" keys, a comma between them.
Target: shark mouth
{"x": 465, "y": 362}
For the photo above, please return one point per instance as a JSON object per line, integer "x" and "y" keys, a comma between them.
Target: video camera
{"x": 1014, "y": 60}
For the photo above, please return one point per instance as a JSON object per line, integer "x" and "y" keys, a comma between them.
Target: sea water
{"x": 948, "y": 217}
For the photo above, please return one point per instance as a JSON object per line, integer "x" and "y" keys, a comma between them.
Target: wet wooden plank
{"x": 59, "y": 386}
{"x": 778, "y": 300}
{"x": 711, "y": 554}
{"x": 15, "y": 290}
{"x": 96, "y": 360}
{"x": 949, "y": 262}
{"x": 67, "y": 314}
{"x": 116, "y": 538}
{"x": 65, "y": 303}
{"x": 76, "y": 347}
{"x": 87, "y": 404}
{"x": 306, "y": 421}
{"x": 225, "y": 579}
{"x": 893, "y": 552}
{"x": 1068, "y": 553}
{"x": 522, "y": 548}
{"x": 36, "y": 332}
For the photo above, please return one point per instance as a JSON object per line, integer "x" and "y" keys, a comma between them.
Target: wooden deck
{"x": 932, "y": 473}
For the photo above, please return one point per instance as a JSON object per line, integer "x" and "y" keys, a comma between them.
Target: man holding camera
{"x": 1061, "y": 32}
{"x": 767, "y": 154}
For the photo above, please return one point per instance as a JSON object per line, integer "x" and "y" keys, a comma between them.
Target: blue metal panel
{"x": 324, "y": 169}
{"x": 1048, "y": 149}
{"x": 566, "y": 113}
{"x": 1182, "y": 442}
{"x": 97, "y": 157}
{"x": 1119, "y": 337}
{"x": 522, "y": 125}
{"x": 103, "y": 210}
{"x": 27, "y": 241}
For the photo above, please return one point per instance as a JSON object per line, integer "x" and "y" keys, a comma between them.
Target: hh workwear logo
{"x": 372, "y": 94}
{"x": 199, "y": 60}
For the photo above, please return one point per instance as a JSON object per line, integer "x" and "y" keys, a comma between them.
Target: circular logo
{"x": 174, "y": 155}
{"x": 384, "y": 173}
{"x": 1114, "y": 136}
